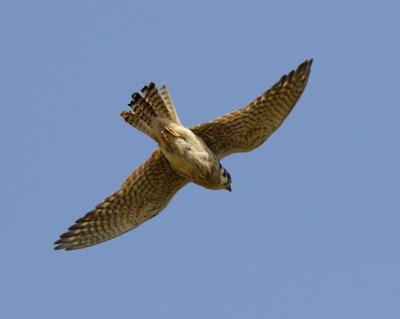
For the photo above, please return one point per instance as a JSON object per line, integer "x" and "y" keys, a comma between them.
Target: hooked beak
{"x": 228, "y": 187}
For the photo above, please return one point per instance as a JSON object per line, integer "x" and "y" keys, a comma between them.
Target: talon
{"x": 165, "y": 136}
{"x": 172, "y": 132}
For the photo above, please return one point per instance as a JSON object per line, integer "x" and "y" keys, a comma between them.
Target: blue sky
{"x": 311, "y": 229}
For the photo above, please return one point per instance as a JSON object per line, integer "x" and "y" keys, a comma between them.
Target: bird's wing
{"x": 142, "y": 196}
{"x": 247, "y": 128}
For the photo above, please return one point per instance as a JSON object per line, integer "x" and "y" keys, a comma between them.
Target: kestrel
{"x": 184, "y": 155}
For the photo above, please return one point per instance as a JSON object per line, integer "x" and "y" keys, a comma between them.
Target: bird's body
{"x": 191, "y": 158}
{"x": 184, "y": 155}
{"x": 186, "y": 152}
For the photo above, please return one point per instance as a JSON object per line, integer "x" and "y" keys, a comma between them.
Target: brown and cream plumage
{"x": 184, "y": 155}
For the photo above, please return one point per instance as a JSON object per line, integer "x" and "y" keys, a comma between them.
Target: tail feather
{"x": 153, "y": 97}
{"x": 168, "y": 102}
{"x": 146, "y": 109}
{"x": 142, "y": 108}
{"x": 132, "y": 119}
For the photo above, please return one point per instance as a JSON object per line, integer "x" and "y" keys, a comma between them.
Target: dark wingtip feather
{"x": 59, "y": 244}
{"x": 62, "y": 243}
{"x": 305, "y": 64}
{"x": 63, "y": 246}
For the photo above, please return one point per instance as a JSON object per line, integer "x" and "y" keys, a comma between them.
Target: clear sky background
{"x": 311, "y": 229}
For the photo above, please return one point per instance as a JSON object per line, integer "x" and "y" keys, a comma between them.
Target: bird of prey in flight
{"x": 184, "y": 155}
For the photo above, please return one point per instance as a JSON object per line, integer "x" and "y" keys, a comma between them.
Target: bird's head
{"x": 225, "y": 178}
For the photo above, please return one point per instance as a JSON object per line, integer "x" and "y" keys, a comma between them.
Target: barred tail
{"x": 168, "y": 102}
{"x": 145, "y": 110}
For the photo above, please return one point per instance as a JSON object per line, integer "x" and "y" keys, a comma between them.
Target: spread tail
{"x": 146, "y": 109}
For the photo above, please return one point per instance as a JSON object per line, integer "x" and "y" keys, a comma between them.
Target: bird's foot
{"x": 168, "y": 134}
